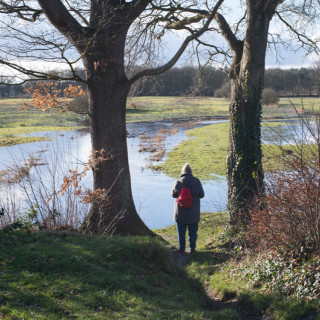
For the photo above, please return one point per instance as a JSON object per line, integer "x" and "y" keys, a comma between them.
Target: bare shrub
{"x": 224, "y": 91}
{"x": 39, "y": 189}
{"x": 269, "y": 97}
{"x": 287, "y": 218}
{"x": 79, "y": 104}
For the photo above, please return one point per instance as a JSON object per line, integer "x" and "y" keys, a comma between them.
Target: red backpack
{"x": 185, "y": 199}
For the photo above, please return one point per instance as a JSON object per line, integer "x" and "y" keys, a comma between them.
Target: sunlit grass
{"x": 207, "y": 151}
{"x": 15, "y": 122}
{"x": 164, "y": 108}
{"x": 6, "y": 141}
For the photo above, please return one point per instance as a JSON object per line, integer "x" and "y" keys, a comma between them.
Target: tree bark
{"x": 245, "y": 174}
{"x": 108, "y": 87}
{"x": 101, "y": 45}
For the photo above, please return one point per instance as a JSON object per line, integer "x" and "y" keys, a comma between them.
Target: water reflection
{"x": 68, "y": 149}
{"x": 292, "y": 132}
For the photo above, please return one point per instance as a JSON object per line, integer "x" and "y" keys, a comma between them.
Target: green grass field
{"x": 207, "y": 151}
{"x": 14, "y": 122}
{"x": 307, "y": 103}
{"x": 164, "y": 108}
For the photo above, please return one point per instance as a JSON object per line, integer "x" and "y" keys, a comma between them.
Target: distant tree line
{"x": 214, "y": 82}
{"x": 210, "y": 81}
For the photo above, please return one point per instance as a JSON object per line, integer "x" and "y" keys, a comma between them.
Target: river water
{"x": 151, "y": 189}
{"x": 68, "y": 149}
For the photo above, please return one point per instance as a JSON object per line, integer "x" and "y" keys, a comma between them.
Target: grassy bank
{"x": 225, "y": 271}
{"x": 60, "y": 275}
{"x": 52, "y": 275}
{"x": 207, "y": 150}
{"x": 14, "y": 123}
{"x": 64, "y": 276}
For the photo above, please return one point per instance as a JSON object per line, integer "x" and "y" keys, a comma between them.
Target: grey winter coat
{"x": 188, "y": 215}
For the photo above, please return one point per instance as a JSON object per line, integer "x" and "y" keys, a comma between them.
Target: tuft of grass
{"x": 30, "y": 129}
{"x": 6, "y": 141}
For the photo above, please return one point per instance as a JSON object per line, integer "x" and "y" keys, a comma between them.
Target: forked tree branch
{"x": 170, "y": 63}
{"x": 61, "y": 18}
{"x": 78, "y": 13}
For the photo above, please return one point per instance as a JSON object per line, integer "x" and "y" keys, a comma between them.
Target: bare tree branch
{"x": 38, "y": 74}
{"x": 234, "y": 43}
{"x": 61, "y": 18}
{"x": 78, "y": 13}
{"x": 302, "y": 38}
{"x": 169, "y": 64}
{"x": 24, "y": 12}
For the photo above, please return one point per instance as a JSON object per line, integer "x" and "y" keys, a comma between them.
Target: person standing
{"x": 187, "y": 212}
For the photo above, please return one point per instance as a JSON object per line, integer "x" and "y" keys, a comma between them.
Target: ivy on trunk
{"x": 244, "y": 163}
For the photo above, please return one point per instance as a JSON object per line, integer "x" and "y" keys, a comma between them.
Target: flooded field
{"x": 36, "y": 170}
{"x": 69, "y": 149}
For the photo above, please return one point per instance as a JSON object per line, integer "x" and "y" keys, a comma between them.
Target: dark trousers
{"x": 182, "y": 229}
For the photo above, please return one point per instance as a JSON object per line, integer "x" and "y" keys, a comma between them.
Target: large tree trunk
{"x": 101, "y": 44}
{"x": 245, "y": 174}
{"x": 114, "y": 211}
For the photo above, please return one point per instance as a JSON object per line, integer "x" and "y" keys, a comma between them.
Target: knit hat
{"x": 186, "y": 169}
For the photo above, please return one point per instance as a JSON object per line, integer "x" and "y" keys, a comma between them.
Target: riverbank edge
{"x": 13, "y": 138}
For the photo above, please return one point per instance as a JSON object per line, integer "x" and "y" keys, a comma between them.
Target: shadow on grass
{"x": 55, "y": 275}
{"x": 250, "y": 304}
{"x": 14, "y": 302}
{"x": 138, "y": 111}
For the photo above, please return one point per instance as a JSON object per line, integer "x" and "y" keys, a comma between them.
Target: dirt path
{"x": 178, "y": 258}
{"x": 213, "y": 302}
